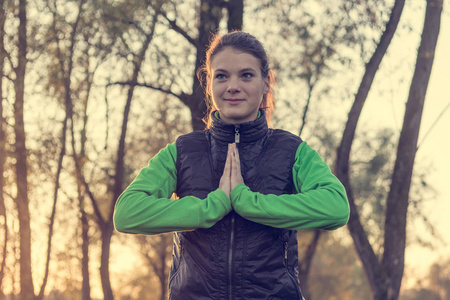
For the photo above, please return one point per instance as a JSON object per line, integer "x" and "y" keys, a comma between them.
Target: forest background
{"x": 91, "y": 90}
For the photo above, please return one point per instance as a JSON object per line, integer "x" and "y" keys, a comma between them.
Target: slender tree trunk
{"x": 85, "y": 286}
{"x": 163, "y": 279}
{"x": 156, "y": 250}
{"x": 2, "y": 152}
{"x": 304, "y": 265}
{"x": 22, "y": 201}
{"x": 106, "y": 231}
{"x": 68, "y": 109}
{"x": 306, "y": 108}
{"x": 108, "y": 226}
{"x": 376, "y": 275}
{"x": 2, "y": 182}
{"x": 53, "y": 213}
{"x": 79, "y": 165}
{"x": 163, "y": 269}
{"x": 397, "y": 201}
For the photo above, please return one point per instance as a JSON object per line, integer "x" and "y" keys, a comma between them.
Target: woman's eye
{"x": 220, "y": 76}
{"x": 247, "y": 75}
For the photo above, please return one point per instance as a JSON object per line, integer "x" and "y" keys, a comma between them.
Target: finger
{"x": 236, "y": 176}
{"x": 225, "y": 180}
{"x": 227, "y": 169}
{"x": 236, "y": 154}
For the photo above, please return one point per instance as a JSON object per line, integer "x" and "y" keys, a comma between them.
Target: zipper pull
{"x": 237, "y": 136}
{"x": 285, "y": 250}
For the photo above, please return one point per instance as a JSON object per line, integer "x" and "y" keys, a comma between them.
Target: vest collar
{"x": 246, "y": 132}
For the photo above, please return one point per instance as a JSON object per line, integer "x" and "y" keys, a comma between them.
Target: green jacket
{"x": 146, "y": 207}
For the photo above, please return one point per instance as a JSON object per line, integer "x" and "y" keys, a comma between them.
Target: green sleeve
{"x": 145, "y": 206}
{"x": 321, "y": 201}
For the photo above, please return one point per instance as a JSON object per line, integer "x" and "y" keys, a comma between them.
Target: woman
{"x": 242, "y": 187}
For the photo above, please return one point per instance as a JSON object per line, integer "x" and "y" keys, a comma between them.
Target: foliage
{"x": 335, "y": 267}
{"x": 434, "y": 286}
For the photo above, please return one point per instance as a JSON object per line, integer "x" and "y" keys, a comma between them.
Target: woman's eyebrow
{"x": 240, "y": 71}
{"x": 247, "y": 70}
{"x": 220, "y": 71}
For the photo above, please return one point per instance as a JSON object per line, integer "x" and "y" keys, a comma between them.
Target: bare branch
{"x": 181, "y": 96}
{"x": 306, "y": 108}
{"x": 432, "y": 125}
{"x": 174, "y": 26}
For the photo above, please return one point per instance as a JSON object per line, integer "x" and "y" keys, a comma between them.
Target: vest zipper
{"x": 285, "y": 253}
{"x": 237, "y": 139}
{"x": 230, "y": 260}
{"x": 294, "y": 281}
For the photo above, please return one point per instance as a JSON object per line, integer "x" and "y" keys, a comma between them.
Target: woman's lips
{"x": 234, "y": 101}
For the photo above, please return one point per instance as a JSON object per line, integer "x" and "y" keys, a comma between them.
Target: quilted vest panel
{"x": 236, "y": 258}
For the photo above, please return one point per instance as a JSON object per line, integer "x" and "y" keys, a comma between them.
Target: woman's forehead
{"x": 234, "y": 59}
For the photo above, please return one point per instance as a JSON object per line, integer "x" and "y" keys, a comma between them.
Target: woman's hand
{"x": 232, "y": 172}
{"x": 236, "y": 175}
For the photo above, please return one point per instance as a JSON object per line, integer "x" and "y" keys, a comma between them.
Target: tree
{"x": 165, "y": 126}
{"x": 335, "y": 273}
{"x": 439, "y": 279}
{"x": 385, "y": 276}
{"x": 3, "y": 217}
{"x": 210, "y": 13}
{"x": 156, "y": 252}
{"x": 66, "y": 70}
{"x": 309, "y": 55}
{"x": 21, "y": 165}
{"x": 435, "y": 285}
{"x": 105, "y": 223}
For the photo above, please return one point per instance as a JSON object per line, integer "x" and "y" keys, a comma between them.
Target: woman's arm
{"x": 321, "y": 201}
{"x": 145, "y": 206}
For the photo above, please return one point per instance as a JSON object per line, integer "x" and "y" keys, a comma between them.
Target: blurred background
{"x": 90, "y": 90}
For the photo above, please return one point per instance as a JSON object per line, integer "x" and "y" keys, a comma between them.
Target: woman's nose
{"x": 233, "y": 86}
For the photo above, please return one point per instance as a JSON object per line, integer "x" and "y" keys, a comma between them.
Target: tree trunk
{"x": 85, "y": 286}
{"x": 53, "y": 213}
{"x": 156, "y": 250}
{"x": 160, "y": 267}
{"x": 106, "y": 231}
{"x": 375, "y": 274}
{"x": 304, "y": 265}
{"x": 108, "y": 226}
{"x": 210, "y": 16}
{"x": 2, "y": 199}
{"x": 68, "y": 109}
{"x": 397, "y": 201}
{"x": 79, "y": 165}
{"x": 22, "y": 201}
{"x": 165, "y": 249}
{"x": 235, "y": 14}
{"x": 2, "y": 151}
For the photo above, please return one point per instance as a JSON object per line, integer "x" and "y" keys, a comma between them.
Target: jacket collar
{"x": 247, "y": 132}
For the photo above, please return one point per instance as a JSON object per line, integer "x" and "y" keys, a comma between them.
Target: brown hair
{"x": 247, "y": 43}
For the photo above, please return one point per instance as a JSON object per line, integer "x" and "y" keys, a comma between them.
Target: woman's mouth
{"x": 234, "y": 101}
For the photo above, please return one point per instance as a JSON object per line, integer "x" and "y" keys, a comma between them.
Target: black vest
{"x": 236, "y": 258}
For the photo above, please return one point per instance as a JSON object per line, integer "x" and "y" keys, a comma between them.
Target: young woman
{"x": 243, "y": 189}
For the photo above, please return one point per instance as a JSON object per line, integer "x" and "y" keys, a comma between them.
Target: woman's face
{"x": 236, "y": 85}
